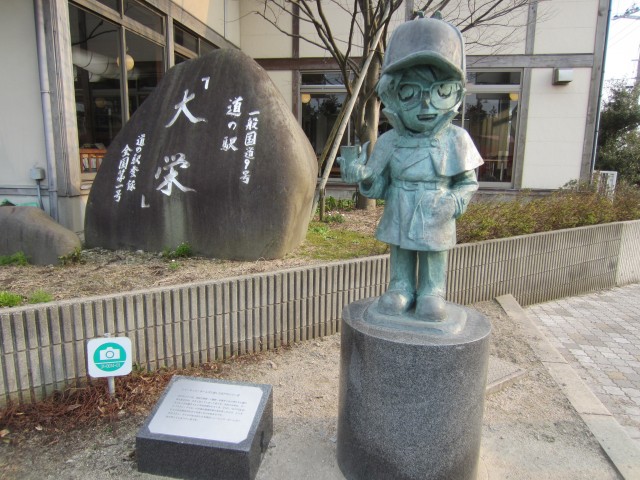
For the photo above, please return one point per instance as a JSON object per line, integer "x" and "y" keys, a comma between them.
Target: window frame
{"x": 165, "y": 40}
{"x": 320, "y": 89}
{"x": 472, "y": 88}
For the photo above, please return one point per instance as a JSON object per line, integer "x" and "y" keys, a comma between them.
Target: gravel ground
{"x": 104, "y": 272}
{"x": 530, "y": 429}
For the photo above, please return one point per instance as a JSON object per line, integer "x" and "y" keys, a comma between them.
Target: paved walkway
{"x": 599, "y": 336}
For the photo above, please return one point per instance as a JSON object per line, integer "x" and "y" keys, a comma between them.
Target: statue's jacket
{"x": 426, "y": 182}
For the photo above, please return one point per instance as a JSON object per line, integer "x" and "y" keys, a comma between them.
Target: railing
{"x": 43, "y": 347}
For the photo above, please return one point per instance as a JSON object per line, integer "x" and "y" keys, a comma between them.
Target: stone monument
{"x": 413, "y": 367}
{"x": 215, "y": 158}
{"x": 207, "y": 429}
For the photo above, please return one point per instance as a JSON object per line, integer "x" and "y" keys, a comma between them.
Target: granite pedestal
{"x": 411, "y": 399}
{"x": 207, "y": 430}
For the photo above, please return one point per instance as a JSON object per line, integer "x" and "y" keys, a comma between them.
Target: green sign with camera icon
{"x": 107, "y": 357}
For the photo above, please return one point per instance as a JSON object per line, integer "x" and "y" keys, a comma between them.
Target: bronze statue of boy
{"x": 424, "y": 168}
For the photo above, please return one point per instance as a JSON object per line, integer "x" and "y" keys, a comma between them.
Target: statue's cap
{"x": 426, "y": 41}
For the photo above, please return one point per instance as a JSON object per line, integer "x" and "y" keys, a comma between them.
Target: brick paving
{"x": 599, "y": 335}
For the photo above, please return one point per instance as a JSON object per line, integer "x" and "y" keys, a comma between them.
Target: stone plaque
{"x": 211, "y": 411}
{"x": 207, "y": 429}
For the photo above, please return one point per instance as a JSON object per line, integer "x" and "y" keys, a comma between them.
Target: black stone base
{"x": 199, "y": 459}
{"x": 411, "y": 402}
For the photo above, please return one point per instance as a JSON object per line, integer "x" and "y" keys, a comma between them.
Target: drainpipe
{"x": 47, "y": 117}
{"x": 594, "y": 151}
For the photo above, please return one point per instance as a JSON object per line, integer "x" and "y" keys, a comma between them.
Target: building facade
{"x": 76, "y": 71}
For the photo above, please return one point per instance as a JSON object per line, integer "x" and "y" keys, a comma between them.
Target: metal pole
{"x": 111, "y": 381}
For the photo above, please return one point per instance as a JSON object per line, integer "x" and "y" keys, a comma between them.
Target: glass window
{"x": 186, "y": 39}
{"x": 95, "y": 48}
{"x": 319, "y": 114}
{"x": 113, "y": 4}
{"x": 490, "y": 115}
{"x": 491, "y": 119}
{"x": 177, "y": 58}
{"x": 99, "y": 68}
{"x": 145, "y": 68}
{"x": 206, "y": 47}
{"x": 322, "y": 78}
{"x": 322, "y": 97}
{"x": 189, "y": 45}
{"x": 145, "y": 16}
{"x": 493, "y": 78}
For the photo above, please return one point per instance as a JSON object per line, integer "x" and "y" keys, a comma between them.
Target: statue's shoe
{"x": 431, "y": 307}
{"x": 395, "y": 302}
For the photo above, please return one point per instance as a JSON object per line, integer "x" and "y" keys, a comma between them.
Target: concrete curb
{"x": 501, "y": 374}
{"x": 615, "y": 441}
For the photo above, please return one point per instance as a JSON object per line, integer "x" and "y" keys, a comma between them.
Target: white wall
{"x": 284, "y": 81}
{"x": 503, "y": 36}
{"x": 232, "y": 21}
{"x": 566, "y": 26}
{"x": 220, "y": 15}
{"x": 210, "y": 12}
{"x": 260, "y": 39}
{"x": 21, "y": 126}
{"x": 555, "y": 129}
{"x": 340, "y": 23}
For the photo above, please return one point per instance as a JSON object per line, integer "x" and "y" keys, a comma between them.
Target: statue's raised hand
{"x": 352, "y": 164}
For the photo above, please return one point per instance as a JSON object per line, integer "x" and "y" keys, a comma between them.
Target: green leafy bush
{"x": 18, "y": 258}
{"x": 574, "y": 206}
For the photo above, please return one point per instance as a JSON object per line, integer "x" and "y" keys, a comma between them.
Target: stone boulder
{"x": 36, "y": 234}
{"x": 214, "y": 158}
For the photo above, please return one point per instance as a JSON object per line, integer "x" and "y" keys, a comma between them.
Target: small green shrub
{"x": 72, "y": 258}
{"x": 183, "y": 250}
{"x": 573, "y": 206}
{"x": 321, "y": 230}
{"x": 8, "y": 299}
{"x": 40, "y": 296}
{"x": 335, "y": 218}
{"x": 331, "y": 203}
{"x": 18, "y": 258}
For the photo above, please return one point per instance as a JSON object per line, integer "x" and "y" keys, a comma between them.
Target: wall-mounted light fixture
{"x": 562, "y": 76}
{"x": 129, "y": 62}
{"x": 305, "y": 97}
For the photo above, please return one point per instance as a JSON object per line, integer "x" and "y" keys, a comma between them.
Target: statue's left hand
{"x": 352, "y": 164}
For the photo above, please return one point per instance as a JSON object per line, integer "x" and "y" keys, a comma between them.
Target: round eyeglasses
{"x": 442, "y": 95}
